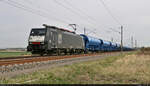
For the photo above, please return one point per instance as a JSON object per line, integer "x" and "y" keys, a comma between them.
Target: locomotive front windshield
{"x": 38, "y": 32}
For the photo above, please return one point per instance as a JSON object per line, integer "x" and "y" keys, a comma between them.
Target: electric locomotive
{"x": 51, "y": 39}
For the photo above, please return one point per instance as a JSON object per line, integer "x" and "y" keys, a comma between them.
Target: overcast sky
{"x": 16, "y": 23}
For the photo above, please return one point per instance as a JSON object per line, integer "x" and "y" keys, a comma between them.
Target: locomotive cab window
{"x": 38, "y": 32}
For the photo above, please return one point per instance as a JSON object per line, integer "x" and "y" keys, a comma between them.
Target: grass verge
{"x": 123, "y": 69}
{"x": 13, "y": 54}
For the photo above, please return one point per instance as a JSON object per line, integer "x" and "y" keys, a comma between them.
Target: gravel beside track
{"x": 13, "y": 70}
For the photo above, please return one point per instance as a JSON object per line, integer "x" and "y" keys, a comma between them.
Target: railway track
{"x": 31, "y": 59}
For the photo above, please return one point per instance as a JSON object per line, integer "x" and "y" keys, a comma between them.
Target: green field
{"x": 124, "y": 69}
{"x": 13, "y": 54}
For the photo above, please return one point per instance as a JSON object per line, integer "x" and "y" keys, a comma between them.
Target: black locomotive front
{"x": 36, "y": 42}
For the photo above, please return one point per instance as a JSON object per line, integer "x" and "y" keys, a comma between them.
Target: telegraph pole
{"x": 112, "y": 39}
{"x": 84, "y": 31}
{"x": 132, "y": 42}
{"x": 135, "y": 43}
{"x": 121, "y": 38}
{"x": 121, "y": 33}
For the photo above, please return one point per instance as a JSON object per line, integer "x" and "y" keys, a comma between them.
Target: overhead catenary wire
{"x": 48, "y": 10}
{"x": 75, "y": 12}
{"x": 80, "y": 11}
{"x": 33, "y": 11}
{"x": 69, "y": 9}
{"x": 116, "y": 20}
{"x": 110, "y": 13}
{"x": 115, "y": 30}
{"x": 113, "y": 17}
{"x": 83, "y": 12}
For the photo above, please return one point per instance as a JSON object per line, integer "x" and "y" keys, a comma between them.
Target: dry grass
{"x": 131, "y": 69}
{"x": 123, "y": 69}
{"x": 144, "y": 51}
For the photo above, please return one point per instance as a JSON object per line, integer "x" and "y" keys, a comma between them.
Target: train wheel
{"x": 42, "y": 54}
{"x": 58, "y": 52}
